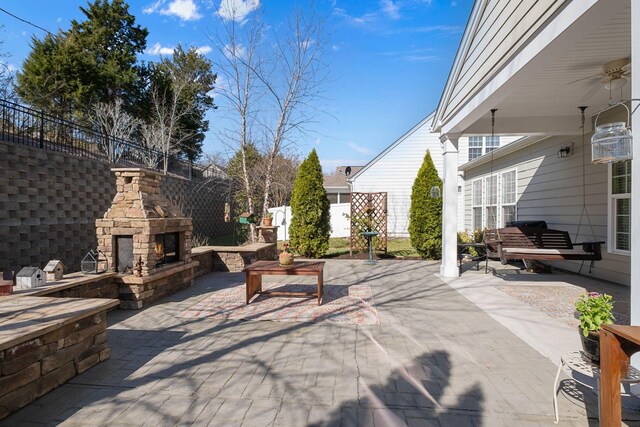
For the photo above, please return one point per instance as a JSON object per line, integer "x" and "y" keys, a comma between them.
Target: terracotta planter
{"x": 591, "y": 345}
{"x": 267, "y": 222}
{"x": 286, "y": 258}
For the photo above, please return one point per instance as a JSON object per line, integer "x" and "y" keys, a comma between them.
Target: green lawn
{"x": 396, "y": 247}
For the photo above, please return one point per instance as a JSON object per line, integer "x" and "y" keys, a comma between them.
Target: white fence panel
{"x": 339, "y": 220}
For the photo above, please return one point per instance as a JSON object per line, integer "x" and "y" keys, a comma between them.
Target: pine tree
{"x": 94, "y": 61}
{"x": 311, "y": 223}
{"x": 425, "y": 216}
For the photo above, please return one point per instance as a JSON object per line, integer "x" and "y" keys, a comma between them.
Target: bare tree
{"x": 166, "y": 112}
{"x": 179, "y": 99}
{"x": 152, "y": 143}
{"x": 238, "y": 58}
{"x": 270, "y": 83}
{"x": 118, "y": 125}
{"x": 294, "y": 83}
{"x": 7, "y": 75}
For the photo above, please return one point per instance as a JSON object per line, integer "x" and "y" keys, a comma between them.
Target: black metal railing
{"x": 26, "y": 126}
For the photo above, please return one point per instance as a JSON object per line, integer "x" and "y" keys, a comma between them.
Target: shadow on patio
{"x": 434, "y": 358}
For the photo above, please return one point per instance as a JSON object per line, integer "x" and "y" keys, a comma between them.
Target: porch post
{"x": 635, "y": 166}
{"x": 449, "y": 267}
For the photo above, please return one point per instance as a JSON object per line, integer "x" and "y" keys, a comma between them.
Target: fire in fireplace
{"x": 167, "y": 248}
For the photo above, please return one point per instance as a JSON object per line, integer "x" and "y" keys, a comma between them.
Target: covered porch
{"x": 536, "y": 66}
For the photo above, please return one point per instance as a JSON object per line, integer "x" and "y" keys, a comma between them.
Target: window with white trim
{"x": 477, "y": 204}
{"x": 508, "y": 197}
{"x": 620, "y": 207}
{"x": 480, "y": 145}
{"x": 475, "y": 147}
{"x": 491, "y": 201}
{"x": 494, "y": 200}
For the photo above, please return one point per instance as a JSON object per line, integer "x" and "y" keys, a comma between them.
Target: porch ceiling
{"x": 542, "y": 96}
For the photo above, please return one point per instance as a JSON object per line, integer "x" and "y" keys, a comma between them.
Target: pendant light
{"x": 612, "y": 142}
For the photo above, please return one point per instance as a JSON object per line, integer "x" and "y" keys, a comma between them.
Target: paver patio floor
{"x": 435, "y": 359}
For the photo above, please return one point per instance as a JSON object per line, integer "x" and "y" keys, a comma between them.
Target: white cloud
{"x": 367, "y": 18}
{"x": 335, "y": 47}
{"x": 317, "y": 141}
{"x": 359, "y": 148}
{"x": 204, "y": 49}
{"x": 158, "y": 49}
{"x": 153, "y": 7}
{"x": 240, "y": 51}
{"x": 421, "y": 58}
{"x": 453, "y": 29}
{"x": 237, "y": 10}
{"x": 307, "y": 43}
{"x": 391, "y": 9}
{"x": 183, "y": 9}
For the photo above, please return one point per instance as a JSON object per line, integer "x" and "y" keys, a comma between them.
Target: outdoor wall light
{"x": 564, "y": 152}
{"x": 435, "y": 192}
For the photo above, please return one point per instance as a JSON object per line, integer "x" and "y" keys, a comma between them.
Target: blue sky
{"x": 388, "y": 59}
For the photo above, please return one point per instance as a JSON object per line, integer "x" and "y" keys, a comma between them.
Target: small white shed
{"x": 30, "y": 277}
{"x": 54, "y": 270}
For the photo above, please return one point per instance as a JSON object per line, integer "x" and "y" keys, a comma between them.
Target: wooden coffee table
{"x": 255, "y": 271}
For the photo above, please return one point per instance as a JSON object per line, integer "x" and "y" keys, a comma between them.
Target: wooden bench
{"x": 532, "y": 243}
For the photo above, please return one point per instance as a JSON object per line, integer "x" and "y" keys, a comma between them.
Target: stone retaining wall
{"x": 49, "y": 202}
{"x": 36, "y": 366}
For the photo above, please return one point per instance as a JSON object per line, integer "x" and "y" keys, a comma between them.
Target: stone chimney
{"x": 143, "y": 232}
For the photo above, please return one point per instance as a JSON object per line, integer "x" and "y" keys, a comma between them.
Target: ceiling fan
{"x": 612, "y": 77}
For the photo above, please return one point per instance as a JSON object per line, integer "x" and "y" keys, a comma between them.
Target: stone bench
{"x": 44, "y": 342}
{"x": 231, "y": 258}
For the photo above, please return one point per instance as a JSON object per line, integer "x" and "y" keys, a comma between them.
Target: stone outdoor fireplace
{"x": 145, "y": 238}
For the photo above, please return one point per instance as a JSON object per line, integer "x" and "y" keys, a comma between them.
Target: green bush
{"x": 310, "y": 223}
{"x": 425, "y": 216}
{"x": 475, "y": 237}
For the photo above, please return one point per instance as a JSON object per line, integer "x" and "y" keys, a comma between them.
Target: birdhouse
{"x": 54, "y": 270}
{"x": 30, "y": 277}
{"x": 247, "y": 218}
{"x": 6, "y": 283}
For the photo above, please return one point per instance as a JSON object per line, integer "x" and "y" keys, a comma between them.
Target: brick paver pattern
{"x": 435, "y": 359}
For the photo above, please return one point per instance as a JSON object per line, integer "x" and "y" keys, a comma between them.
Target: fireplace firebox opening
{"x": 124, "y": 254}
{"x": 167, "y": 248}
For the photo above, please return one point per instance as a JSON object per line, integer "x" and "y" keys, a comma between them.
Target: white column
{"x": 449, "y": 265}
{"x": 635, "y": 166}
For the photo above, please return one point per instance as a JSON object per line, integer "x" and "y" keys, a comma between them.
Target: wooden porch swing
{"x": 535, "y": 243}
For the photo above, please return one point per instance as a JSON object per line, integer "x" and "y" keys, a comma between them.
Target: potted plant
{"x": 595, "y": 310}
{"x": 286, "y": 256}
{"x": 268, "y": 219}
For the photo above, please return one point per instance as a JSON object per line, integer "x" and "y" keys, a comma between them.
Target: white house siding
{"x": 550, "y": 189}
{"x": 394, "y": 172}
{"x": 502, "y": 27}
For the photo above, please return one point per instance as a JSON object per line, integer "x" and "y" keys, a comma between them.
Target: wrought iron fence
{"x": 26, "y": 126}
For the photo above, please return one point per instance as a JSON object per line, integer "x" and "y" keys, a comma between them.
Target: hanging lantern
{"x": 611, "y": 142}
{"x": 435, "y": 192}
